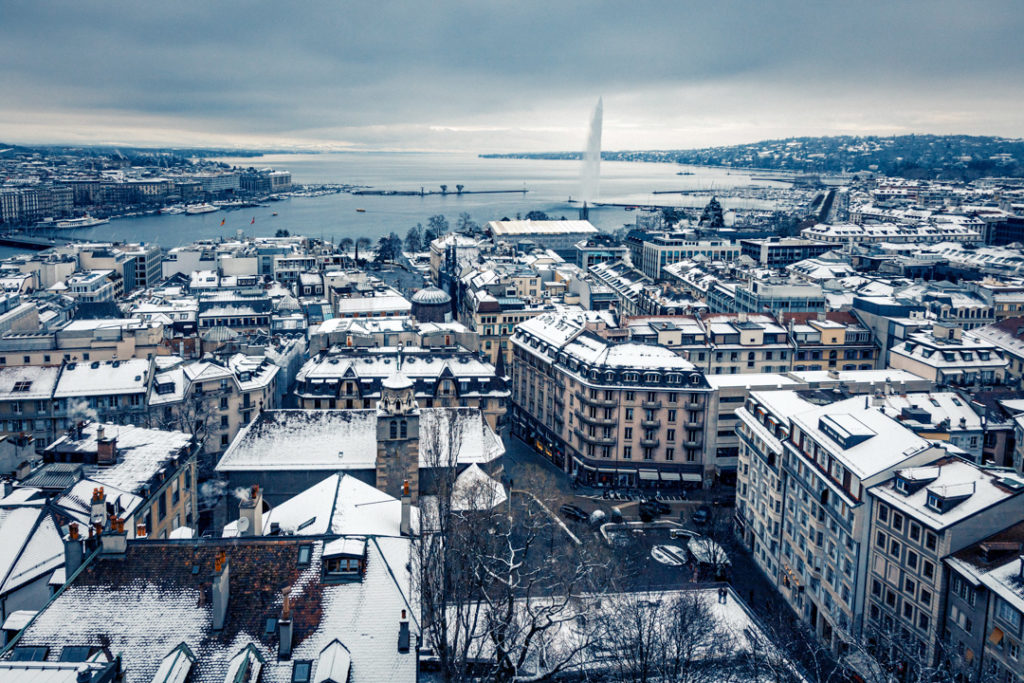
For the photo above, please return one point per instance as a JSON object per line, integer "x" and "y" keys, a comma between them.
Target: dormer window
{"x": 901, "y": 486}
{"x": 344, "y": 559}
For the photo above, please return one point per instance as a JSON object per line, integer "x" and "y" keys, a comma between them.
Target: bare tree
{"x": 496, "y": 602}
{"x": 345, "y": 244}
{"x": 362, "y": 243}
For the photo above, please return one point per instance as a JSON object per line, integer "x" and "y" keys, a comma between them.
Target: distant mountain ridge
{"x": 952, "y": 157}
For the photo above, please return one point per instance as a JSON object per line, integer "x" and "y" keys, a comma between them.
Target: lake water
{"x": 550, "y": 183}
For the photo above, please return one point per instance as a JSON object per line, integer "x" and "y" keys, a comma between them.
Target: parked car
{"x": 724, "y": 501}
{"x": 702, "y": 514}
{"x": 658, "y": 506}
{"x": 574, "y": 513}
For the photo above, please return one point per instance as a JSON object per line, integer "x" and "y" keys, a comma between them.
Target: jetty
{"x": 424, "y": 192}
{"x": 34, "y": 243}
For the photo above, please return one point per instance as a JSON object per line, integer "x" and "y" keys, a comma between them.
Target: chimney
{"x": 140, "y": 530}
{"x": 251, "y": 510}
{"x": 284, "y": 626}
{"x": 98, "y": 511}
{"x": 24, "y": 469}
{"x": 221, "y": 576}
{"x": 73, "y": 551}
{"x": 403, "y": 633}
{"x": 106, "y": 448}
{"x": 8, "y": 487}
{"x": 406, "y": 527}
{"x": 114, "y": 543}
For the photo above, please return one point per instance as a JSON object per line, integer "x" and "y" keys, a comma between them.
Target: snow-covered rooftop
{"x": 339, "y": 440}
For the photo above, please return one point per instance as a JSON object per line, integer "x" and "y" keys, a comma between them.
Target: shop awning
{"x": 607, "y": 470}
{"x": 648, "y": 475}
{"x": 582, "y": 464}
{"x": 691, "y": 476}
{"x": 996, "y": 636}
{"x": 670, "y": 476}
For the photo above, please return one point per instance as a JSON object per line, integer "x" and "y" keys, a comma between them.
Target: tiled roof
{"x": 151, "y": 601}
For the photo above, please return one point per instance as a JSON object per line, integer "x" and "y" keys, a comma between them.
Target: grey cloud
{"x": 384, "y": 73}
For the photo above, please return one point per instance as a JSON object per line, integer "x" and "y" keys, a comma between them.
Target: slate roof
{"x": 148, "y": 603}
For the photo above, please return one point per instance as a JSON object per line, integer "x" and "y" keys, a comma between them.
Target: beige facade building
{"x": 608, "y": 414}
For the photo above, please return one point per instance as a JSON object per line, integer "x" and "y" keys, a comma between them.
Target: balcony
{"x": 603, "y": 402}
{"x": 651, "y": 424}
{"x": 651, "y": 405}
{"x": 603, "y": 421}
{"x": 693, "y": 444}
{"x": 693, "y": 425}
{"x": 693, "y": 406}
{"x": 599, "y": 440}
{"x": 650, "y": 443}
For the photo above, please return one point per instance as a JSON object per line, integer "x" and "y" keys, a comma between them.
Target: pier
{"x": 33, "y": 243}
{"x": 423, "y": 193}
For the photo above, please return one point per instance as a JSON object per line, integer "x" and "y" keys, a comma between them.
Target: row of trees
{"x": 506, "y": 595}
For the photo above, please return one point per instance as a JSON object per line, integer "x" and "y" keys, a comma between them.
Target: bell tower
{"x": 398, "y": 437}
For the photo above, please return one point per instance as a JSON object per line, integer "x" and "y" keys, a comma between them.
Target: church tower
{"x": 398, "y": 437}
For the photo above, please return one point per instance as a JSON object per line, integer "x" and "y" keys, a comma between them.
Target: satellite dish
{"x": 243, "y": 524}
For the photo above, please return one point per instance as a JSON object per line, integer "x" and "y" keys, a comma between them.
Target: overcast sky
{"x": 515, "y": 75}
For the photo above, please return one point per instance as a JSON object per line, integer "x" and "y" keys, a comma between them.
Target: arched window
{"x": 394, "y": 429}
{"x": 405, "y": 429}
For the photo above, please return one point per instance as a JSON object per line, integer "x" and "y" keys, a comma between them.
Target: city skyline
{"x": 460, "y": 77}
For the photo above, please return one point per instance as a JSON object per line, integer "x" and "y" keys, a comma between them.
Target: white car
{"x": 672, "y": 555}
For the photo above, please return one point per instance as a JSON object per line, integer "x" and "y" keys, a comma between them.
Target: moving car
{"x": 574, "y": 513}
{"x": 701, "y": 515}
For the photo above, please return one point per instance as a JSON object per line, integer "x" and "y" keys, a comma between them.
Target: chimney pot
{"x": 284, "y": 626}
{"x": 221, "y": 588}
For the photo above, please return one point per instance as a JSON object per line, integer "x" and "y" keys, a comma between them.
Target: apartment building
{"x": 921, "y": 516}
{"x": 404, "y": 332}
{"x": 803, "y": 506}
{"x": 85, "y": 340}
{"x": 779, "y": 252}
{"x": 1007, "y": 336}
{"x": 657, "y": 250}
{"x": 353, "y": 378}
{"x": 745, "y": 343}
{"x": 984, "y": 615}
{"x": 95, "y": 286}
{"x": 830, "y": 341}
{"x": 142, "y": 476}
{"x": 495, "y": 319}
{"x": 213, "y": 399}
{"x": 608, "y": 414}
{"x": 946, "y": 356}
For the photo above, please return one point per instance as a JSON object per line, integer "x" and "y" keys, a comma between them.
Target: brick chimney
{"x": 251, "y": 510}
{"x": 73, "y": 551}
{"x": 98, "y": 510}
{"x": 106, "y": 448}
{"x": 221, "y": 585}
{"x": 406, "y": 527}
{"x": 403, "y": 633}
{"x": 114, "y": 543}
{"x": 284, "y": 626}
{"x": 140, "y": 530}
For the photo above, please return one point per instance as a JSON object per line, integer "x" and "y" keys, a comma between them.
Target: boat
{"x": 173, "y": 210}
{"x": 85, "y": 221}
{"x": 200, "y": 208}
{"x": 360, "y": 210}
{"x": 275, "y": 213}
